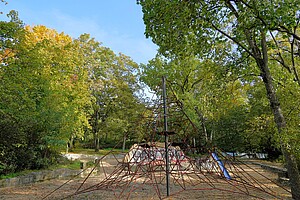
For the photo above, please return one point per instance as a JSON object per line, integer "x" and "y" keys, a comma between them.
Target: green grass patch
{"x": 113, "y": 151}
{"x": 74, "y": 165}
{"x": 66, "y": 164}
{"x": 101, "y": 152}
{"x": 12, "y": 175}
{"x": 63, "y": 163}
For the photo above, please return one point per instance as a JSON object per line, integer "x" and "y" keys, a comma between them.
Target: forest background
{"x": 231, "y": 65}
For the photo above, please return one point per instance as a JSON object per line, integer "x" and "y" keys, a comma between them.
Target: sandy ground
{"x": 142, "y": 188}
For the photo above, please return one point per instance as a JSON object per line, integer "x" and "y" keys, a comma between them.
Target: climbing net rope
{"x": 141, "y": 173}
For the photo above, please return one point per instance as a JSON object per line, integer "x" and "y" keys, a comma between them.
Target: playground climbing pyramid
{"x": 141, "y": 173}
{"x": 156, "y": 170}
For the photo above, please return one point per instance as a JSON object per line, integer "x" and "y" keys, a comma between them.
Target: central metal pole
{"x": 166, "y": 136}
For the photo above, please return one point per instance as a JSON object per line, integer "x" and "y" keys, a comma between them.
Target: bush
{"x": 22, "y": 158}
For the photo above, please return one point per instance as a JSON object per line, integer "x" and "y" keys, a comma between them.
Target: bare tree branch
{"x": 281, "y": 61}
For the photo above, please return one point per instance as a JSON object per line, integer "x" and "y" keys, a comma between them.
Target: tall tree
{"x": 43, "y": 93}
{"x": 11, "y": 132}
{"x": 197, "y": 25}
{"x": 204, "y": 89}
{"x": 114, "y": 86}
{"x": 59, "y": 61}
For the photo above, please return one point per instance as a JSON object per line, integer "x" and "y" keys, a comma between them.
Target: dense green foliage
{"x": 56, "y": 90}
{"x": 243, "y": 38}
{"x": 250, "y": 38}
{"x": 41, "y": 102}
{"x": 220, "y": 59}
{"x": 228, "y": 110}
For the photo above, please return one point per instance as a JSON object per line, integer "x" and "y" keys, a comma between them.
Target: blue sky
{"x": 118, "y": 24}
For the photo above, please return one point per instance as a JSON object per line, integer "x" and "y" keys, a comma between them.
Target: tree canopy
{"x": 252, "y": 31}
{"x": 231, "y": 67}
{"x": 55, "y": 90}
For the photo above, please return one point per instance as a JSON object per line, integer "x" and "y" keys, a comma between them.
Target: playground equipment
{"x": 159, "y": 170}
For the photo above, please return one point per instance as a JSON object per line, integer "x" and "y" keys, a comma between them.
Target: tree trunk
{"x": 290, "y": 159}
{"x": 71, "y": 142}
{"x": 293, "y": 172}
{"x": 211, "y": 137}
{"x": 96, "y": 133}
{"x": 262, "y": 63}
{"x": 96, "y": 142}
{"x": 124, "y": 143}
{"x": 67, "y": 148}
{"x": 202, "y": 124}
